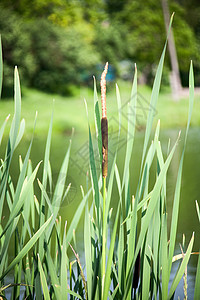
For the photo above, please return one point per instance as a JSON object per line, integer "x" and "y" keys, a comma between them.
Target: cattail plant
{"x": 104, "y": 134}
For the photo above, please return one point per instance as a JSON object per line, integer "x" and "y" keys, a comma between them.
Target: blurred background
{"x": 60, "y": 44}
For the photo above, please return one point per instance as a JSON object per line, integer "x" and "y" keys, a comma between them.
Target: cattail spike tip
{"x": 103, "y": 91}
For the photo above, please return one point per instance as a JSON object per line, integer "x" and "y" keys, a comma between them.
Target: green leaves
{"x": 107, "y": 280}
{"x": 132, "y": 110}
{"x": 181, "y": 269}
{"x": 154, "y": 96}
{"x": 179, "y": 176}
{"x": 130, "y": 241}
{"x": 43, "y": 281}
{"x": 88, "y": 250}
{"x": 197, "y": 281}
{"x": 26, "y": 248}
{"x": 64, "y": 263}
{"x": 16, "y": 133}
{"x": 17, "y": 114}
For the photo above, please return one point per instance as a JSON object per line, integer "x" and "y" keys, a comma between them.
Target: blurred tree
{"x": 16, "y": 50}
{"x": 114, "y": 6}
{"x": 35, "y": 9}
{"x": 73, "y": 36}
{"x": 49, "y": 57}
{"x": 182, "y": 33}
{"x": 110, "y": 42}
{"x": 94, "y": 11}
{"x": 146, "y": 35}
{"x": 192, "y": 16}
{"x": 63, "y": 57}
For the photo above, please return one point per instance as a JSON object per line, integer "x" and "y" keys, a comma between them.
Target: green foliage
{"x": 146, "y": 33}
{"x": 138, "y": 230}
{"x": 50, "y": 58}
{"x": 62, "y": 57}
{"x": 110, "y": 43}
{"x": 39, "y": 8}
{"x": 186, "y": 51}
{"x": 145, "y": 30}
{"x": 62, "y": 42}
{"x": 16, "y": 49}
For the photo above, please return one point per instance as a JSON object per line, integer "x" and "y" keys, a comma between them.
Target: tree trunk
{"x": 175, "y": 80}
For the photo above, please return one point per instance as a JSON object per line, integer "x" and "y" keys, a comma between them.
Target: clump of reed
{"x": 128, "y": 252}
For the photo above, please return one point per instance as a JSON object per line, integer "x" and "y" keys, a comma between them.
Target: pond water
{"x": 188, "y": 221}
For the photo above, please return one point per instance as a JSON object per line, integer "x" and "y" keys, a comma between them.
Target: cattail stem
{"x": 103, "y": 266}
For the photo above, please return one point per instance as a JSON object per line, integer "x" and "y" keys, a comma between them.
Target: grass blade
{"x": 88, "y": 253}
{"x": 131, "y": 128}
{"x": 181, "y": 270}
{"x": 21, "y": 132}
{"x": 119, "y": 108}
{"x": 53, "y": 275}
{"x": 63, "y": 280}
{"x": 110, "y": 256}
{"x": 26, "y": 248}
{"x": 59, "y": 190}
{"x": 97, "y": 122}
{"x": 18, "y": 203}
{"x": 154, "y": 96}
{"x": 164, "y": 255}
{"x": 43, "y": 281}
{"x": 17, "y": 114}
{"x": 3, "y": 128}
{"x": 44, "y": 183}
{"x": 12, "y": 138}
{"x": 148, "y": 215}
{"x": 76, "y": 217}
{"x": 175, "y": 210}
{"x": 94, "y": 175}
{"x": 197, "y": 282}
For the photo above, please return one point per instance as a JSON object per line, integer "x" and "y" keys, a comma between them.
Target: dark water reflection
{"x": 188, "y": 221}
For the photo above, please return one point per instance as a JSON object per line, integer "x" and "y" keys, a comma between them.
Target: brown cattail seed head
{"x": 104, "y": 123}
{"x": 104, "y": 134}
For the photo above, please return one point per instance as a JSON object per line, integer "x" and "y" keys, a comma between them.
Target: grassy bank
{"x": 70, "y": 112}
